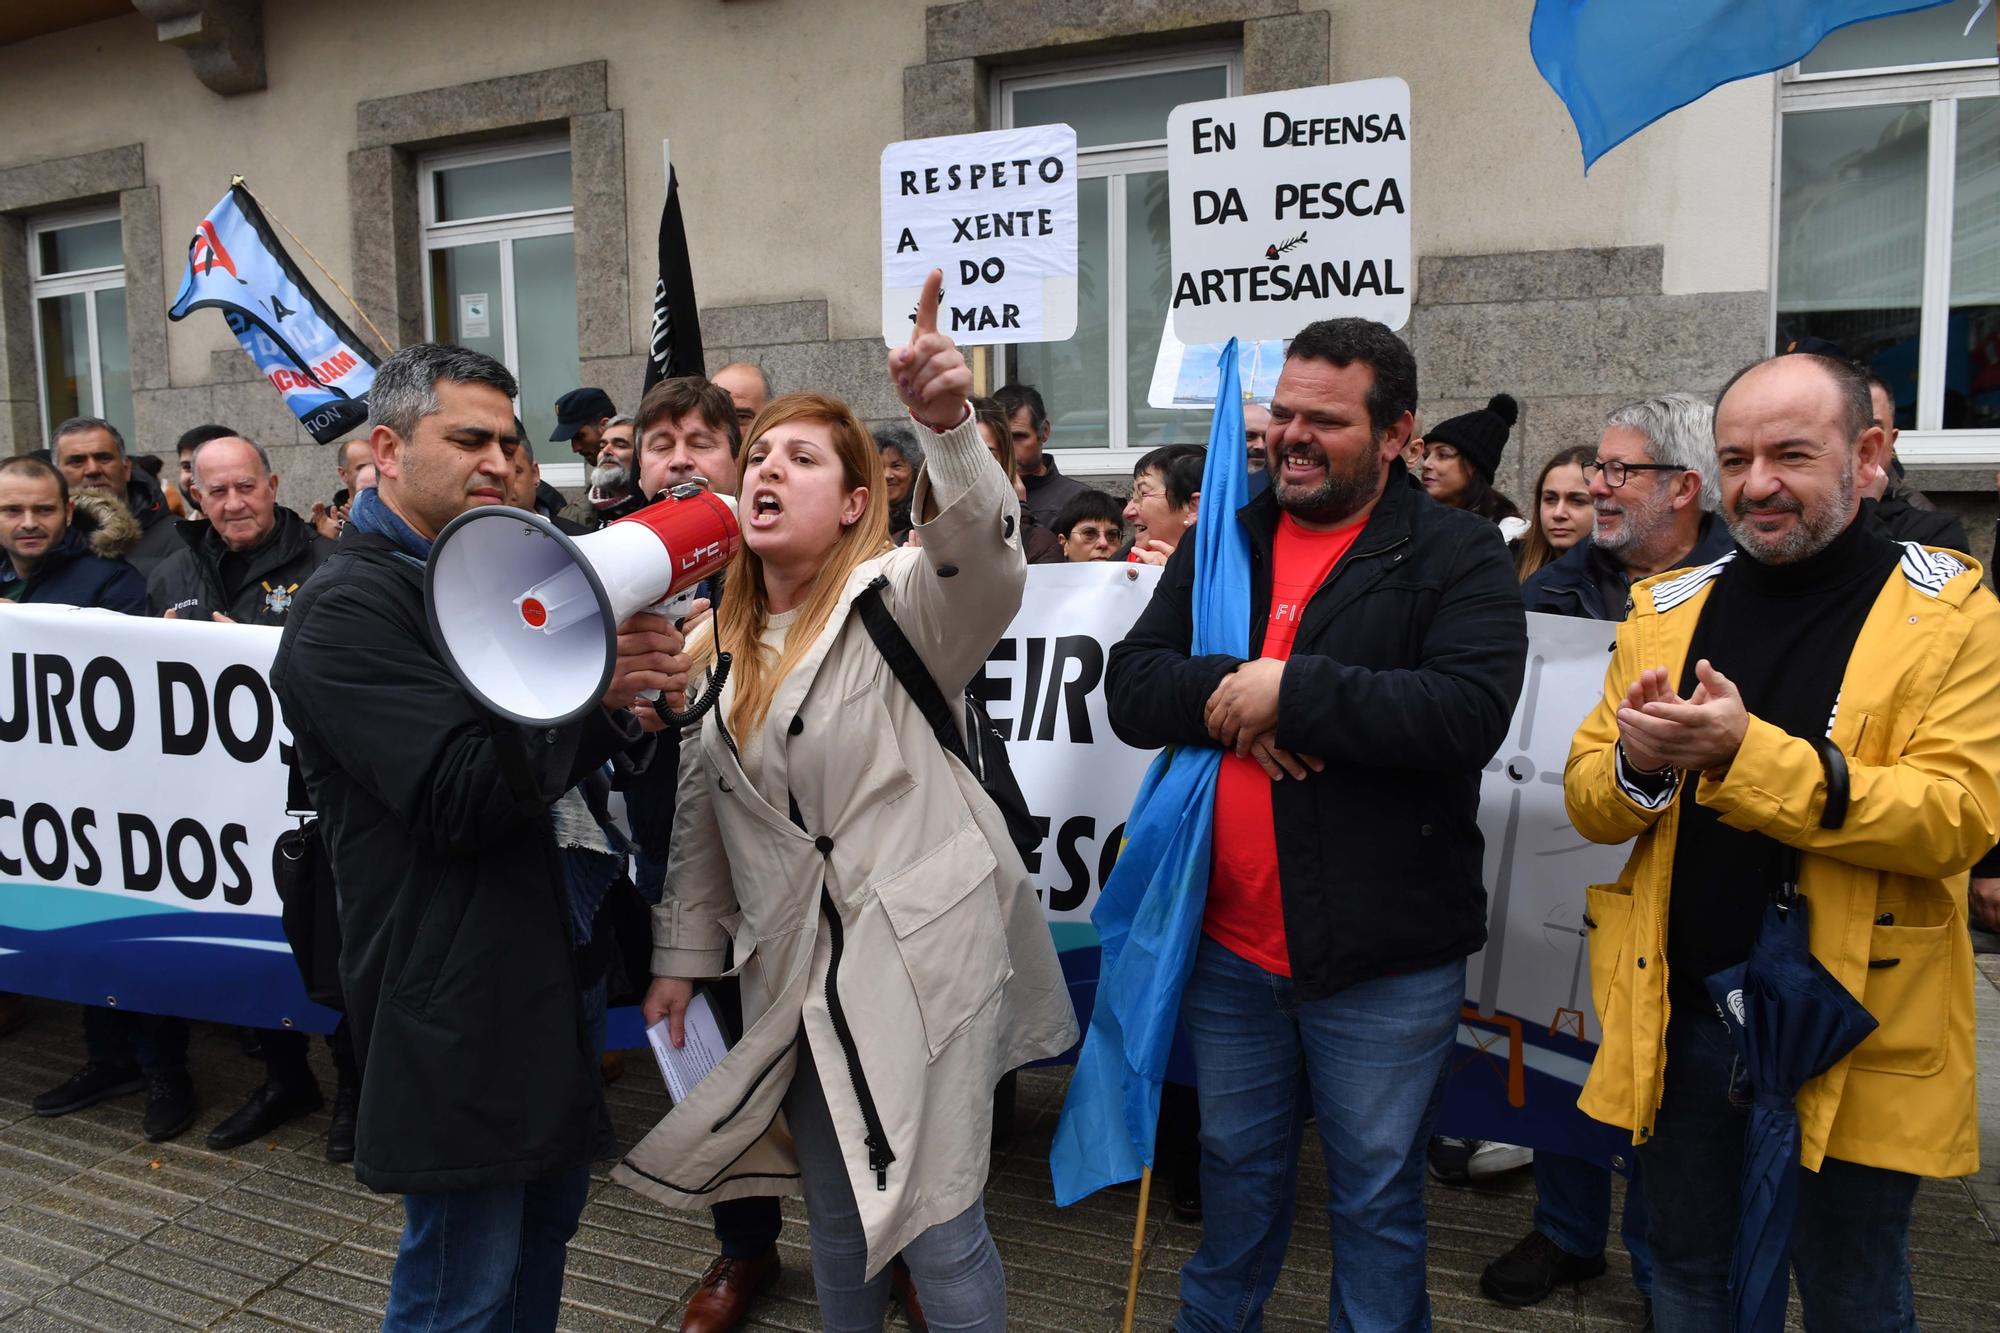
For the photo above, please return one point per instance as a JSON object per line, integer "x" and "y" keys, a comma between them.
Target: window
{"x": 76, "y": 265}
{"x": 1888, "y": 206}
{"x": 1095, "y": 384}
{"x": 500, "y": 266}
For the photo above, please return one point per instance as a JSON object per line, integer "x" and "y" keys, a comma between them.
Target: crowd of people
{"x": 814, "y": 860}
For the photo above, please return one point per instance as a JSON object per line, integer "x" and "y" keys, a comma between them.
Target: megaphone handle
{"x": 710, "y": 695}
{"x": 672, "y": 609}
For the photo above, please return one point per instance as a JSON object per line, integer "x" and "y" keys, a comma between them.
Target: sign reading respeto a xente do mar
{"x": 1290, "y": 207}
{"x": 997, "y": 213}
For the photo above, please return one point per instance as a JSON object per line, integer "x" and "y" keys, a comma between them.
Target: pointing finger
{"x": 927, "y": 305}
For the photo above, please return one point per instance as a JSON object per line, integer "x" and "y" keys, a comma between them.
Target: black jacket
{"x": 1568, "y": 586}
{"x": 456, "y": 944}
{"x": 1906, "y": 522}
{"x": 1403, "y": 678}
{"x": 159, "y": 531}
{"x": 257, "y": 588}
{"x": 85, "y": 568}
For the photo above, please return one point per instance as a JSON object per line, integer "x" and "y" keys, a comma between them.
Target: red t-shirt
{"x": 1245, "y": 914}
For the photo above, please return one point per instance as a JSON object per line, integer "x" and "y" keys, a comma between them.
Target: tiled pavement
{"x": 99, "y": 1229}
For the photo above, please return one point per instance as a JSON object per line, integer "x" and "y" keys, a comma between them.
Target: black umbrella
{"x": 1791, "y": 1021}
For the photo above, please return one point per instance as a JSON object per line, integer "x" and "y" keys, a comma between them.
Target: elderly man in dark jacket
{"x": 1345, "y": 893}
{"x": 481, "y": 1098}
{"x": 250, "y": 559}
{"x": 64, "y": 549}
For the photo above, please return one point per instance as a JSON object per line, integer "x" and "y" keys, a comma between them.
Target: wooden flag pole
{"x": 982, "y": 376}
{"x": 1138, "y": 1248}
{"x": 266, "y": 210}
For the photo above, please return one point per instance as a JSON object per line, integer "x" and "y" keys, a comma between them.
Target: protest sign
{"x": 1185, "y": 378}
{"x": 997, "y": 213}
{"x": 142, "y": 792}
{"x": 1290, "y": 207}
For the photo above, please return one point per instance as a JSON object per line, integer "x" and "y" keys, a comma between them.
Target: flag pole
{"x": 265, "y": 209}
{"x": 1138, "y": 1247}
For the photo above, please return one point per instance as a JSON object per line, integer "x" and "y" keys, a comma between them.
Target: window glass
{"x": 1149, "y": 278}
{"x": 1972, "y": 355}
{"x": 93, "y": 245}
{"x": 545, "y": 307}
{"x": 1851, "y": 235}
{"x": 66, "y": 357}
{"x": 114, "y": 362}
{"x": 1074, "y": 376}
{"x": 1922, "y": 37}
{"x": 465, "y": 298}
{"x": 496, "y": 189}
{"x": 1119, "y": 110}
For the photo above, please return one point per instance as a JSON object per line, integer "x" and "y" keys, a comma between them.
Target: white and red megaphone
{"x": 528, "y": 617}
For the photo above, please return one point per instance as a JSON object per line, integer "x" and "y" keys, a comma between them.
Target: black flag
{"x": 676, "y": 348}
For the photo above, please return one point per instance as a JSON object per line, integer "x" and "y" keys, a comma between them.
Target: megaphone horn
{"x": 527, "y": 616}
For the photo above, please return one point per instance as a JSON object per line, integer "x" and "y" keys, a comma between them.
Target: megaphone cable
{"x": 710, "y": 695}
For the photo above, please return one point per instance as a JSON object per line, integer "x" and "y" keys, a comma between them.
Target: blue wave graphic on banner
{"x": 152, "y": 957}
{"x": 315, "y": 361}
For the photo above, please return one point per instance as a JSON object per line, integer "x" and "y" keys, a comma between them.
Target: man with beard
{"x": 1654, "y": 487}
{"x": 614, "y": 482}
{"x": 1817, "y": 656}
{"x": 1345, "y": 893}
{"x": 1654, "y": 490}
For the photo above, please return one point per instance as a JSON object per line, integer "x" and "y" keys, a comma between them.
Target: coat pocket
{"x": 1911, "y": 980}
{"x": 1607, "y": 920}
{"x": 430, "y": 945}
{"x": 945, "y": 912}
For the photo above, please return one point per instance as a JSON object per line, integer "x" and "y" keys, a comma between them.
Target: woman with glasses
{"x": 1166, "y": 500}
{"x": 1461, "y": 457}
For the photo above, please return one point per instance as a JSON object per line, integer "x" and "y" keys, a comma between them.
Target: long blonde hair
{"x": 739, "y": 626}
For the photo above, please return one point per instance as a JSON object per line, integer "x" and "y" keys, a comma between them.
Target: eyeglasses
{"x": 1615, "y": 471}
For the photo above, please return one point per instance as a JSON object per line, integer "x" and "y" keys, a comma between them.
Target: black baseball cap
{"x": 580, "y": 407}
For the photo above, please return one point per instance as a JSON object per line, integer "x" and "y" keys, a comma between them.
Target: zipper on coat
{"x": 880, "y": 1155}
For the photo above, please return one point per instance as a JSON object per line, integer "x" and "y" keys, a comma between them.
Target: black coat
{"x": 456, "y": 943}
{"x": 1403, "y": 678}
{"x": 1567, "y": 585}
{"x": 1905, "y": 522}
{"x": 159, "y": 531}
{"x": 256, "y": 589}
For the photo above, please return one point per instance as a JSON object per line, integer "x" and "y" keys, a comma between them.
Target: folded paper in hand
{"x": 702, "y": 1049}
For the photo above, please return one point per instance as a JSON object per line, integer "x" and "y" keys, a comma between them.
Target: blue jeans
{"x": 954, "y": 1264}
{"x": 1373, "y": 1060}
{"x": 1573, "y": 1209}
{"x": 485, "y": 1260}
{"x": 1851, "y": 1239}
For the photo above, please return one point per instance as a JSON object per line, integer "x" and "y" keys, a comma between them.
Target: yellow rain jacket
{"x": 1919, "y": 721}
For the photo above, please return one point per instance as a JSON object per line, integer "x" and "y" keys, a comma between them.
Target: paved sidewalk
{"x": 99, "y": 1229}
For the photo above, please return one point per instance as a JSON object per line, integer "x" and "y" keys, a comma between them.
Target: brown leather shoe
{"x": 728, "y": 1289}
{"x": 905, "y": 1288}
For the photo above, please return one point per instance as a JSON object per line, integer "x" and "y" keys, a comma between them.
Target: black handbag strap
{"x": 909, "y": 668}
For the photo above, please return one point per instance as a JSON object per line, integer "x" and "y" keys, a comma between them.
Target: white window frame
{"x": 82, "y": 282}
{"x": 1941, "y": 85}
{"x": 505, "y": 228}
{"x": 1112, "y": 161}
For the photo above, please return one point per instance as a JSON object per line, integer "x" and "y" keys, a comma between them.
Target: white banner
{"x": 1290, "y": 207}
{"x": 997, "y": 213}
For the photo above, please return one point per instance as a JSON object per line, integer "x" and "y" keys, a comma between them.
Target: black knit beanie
{"x": 1479, "y": 436}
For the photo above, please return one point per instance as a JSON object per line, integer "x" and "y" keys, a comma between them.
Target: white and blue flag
{"x": 310, "y": 357}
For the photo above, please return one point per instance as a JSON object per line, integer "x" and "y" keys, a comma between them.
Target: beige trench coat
{"x": 899, "y": 917}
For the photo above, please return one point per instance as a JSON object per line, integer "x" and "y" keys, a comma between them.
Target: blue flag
{"x": 310, "y": 357}
{"x": 1148, "y": 917}
{"x": 1619, "y": 65}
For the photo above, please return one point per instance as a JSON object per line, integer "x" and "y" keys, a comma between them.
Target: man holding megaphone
{"x": 481, "y": 1100}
